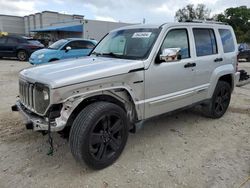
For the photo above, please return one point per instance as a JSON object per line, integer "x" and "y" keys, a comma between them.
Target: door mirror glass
{"x": 170, "y": 54}
{"x": 68, "y": 48}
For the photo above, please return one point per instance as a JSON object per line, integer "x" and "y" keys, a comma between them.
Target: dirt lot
{"x": 181, "y": 150}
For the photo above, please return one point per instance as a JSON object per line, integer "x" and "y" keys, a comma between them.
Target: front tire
{"x": 99, "y": 134}
{"x": 220, "y": 101}
{"x": 22, "y": 55}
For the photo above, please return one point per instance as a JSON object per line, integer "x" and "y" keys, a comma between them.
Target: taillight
{"x": 237, "y": 64}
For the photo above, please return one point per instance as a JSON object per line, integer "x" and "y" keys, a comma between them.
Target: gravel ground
{"x": 183, "y": 150}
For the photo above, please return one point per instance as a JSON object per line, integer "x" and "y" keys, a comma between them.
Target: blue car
{"x": 63, "y": 49}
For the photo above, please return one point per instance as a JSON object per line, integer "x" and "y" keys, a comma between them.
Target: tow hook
{"x": 14, "y": 108}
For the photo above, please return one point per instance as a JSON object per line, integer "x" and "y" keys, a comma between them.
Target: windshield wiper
{"x": 106, "y": 54}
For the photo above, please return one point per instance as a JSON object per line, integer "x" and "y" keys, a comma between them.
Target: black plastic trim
{"x": 135, "y": 70}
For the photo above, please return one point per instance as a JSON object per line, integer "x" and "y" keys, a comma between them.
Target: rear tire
{"x": 99, "y": 134}
{"x": 220, "y": 101}
{"x": 22, "y": 55}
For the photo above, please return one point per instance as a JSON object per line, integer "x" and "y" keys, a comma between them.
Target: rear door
{"x": 11, "y": 46}
{"x": 207, "y": 58}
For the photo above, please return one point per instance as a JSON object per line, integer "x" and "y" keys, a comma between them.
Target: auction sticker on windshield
{"x": 141, "y": 35}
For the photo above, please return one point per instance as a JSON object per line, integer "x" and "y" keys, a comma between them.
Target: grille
{"x": 26, "y": 93}
{"x": 32, "y": 97}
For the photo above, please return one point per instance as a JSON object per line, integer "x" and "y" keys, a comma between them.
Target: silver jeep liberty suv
{"x": 134, "y": 73}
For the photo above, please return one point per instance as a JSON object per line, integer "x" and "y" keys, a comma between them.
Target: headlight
{"x": 40, "y": 56}
{"x": 45, "y": 95}
{"x": 42, "y": 98}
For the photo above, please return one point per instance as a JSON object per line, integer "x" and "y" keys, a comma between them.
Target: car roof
{"x": 73, "y": 39}
{"x": 172, "y": 24}
{"x": 19, "y": 37}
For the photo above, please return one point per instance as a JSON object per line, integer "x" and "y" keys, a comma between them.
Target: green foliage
{"x": 191, "y": 13}
{"x": 239, "y": 19}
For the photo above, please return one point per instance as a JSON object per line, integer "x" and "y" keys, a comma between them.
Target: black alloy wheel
{"x": 106, "y": 136}
{"x": 22, "y": 55}
{"x": 222, "y": 100}
{"x": 99, "y": 134}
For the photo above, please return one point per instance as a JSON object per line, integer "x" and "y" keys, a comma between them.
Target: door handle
{"x": 189, "y": 65}
{"x": 218, "y": 60}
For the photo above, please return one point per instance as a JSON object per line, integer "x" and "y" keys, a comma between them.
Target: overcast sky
{"x": 132, "y": 11}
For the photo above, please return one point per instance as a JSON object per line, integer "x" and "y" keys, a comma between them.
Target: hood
{"x": 69, "y": 72}
{"x": 43, "y": 51}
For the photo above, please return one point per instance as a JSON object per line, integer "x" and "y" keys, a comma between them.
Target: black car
{"x": 18, "y": 46}
{"x": 244, "y": 55}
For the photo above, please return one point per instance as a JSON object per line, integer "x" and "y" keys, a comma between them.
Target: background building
{"x": 12, "y": 24}
{"x": 54, "y": 26}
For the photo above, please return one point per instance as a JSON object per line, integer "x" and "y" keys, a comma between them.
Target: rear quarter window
{"x": 227, "y": 40}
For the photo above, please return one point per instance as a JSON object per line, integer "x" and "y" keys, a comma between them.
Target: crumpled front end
{"x": 40, "y": 123}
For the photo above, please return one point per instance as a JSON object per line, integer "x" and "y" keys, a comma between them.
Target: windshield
{"x": 58, "y": 44}
{"x": 127, "y": 44}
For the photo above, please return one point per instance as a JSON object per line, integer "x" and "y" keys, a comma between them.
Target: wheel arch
{"x": 120, "y": 97}
{"x": 223, "y": 73}
{"x": 21, "y": 49}
{"x": 53, "y": 59}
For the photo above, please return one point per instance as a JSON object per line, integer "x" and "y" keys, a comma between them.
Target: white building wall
{"x": 32, "y": 22}
{"x": 12, "y": 24}
{"x": 26, "y": 25}
{"x": 38, "y": 21}
{"x": 94, "y": 29}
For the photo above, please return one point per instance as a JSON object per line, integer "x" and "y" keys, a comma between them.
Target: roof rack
{"x": 206, "y": 21}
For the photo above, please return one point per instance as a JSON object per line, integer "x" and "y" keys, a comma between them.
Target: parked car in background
{"x": 63, "y": 49}
{"x": 243, "y": 46}
{"x": 18, "y": 46}
{"x": 244, "y": 52}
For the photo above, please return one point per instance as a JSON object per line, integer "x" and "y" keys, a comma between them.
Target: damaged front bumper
{"x": 36, "y": 122}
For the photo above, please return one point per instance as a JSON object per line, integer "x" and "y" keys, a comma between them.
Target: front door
{"x": 78, "y": 49}
{"x": 170, "y": 85}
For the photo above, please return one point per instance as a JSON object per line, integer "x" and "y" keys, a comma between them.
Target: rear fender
{"x": 219, "y": 72}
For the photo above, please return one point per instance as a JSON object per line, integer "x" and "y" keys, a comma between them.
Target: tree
{"x": 190, "y": 13}
{"x": 239, "y": 19}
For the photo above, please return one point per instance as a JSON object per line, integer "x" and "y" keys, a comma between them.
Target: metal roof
{"x": 172, "y": 24}
{"x": 69, "y": 28}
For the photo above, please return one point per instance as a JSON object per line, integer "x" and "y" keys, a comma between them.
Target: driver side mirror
{"x": 170, "y": 54}
{"x": 68, "y": 48}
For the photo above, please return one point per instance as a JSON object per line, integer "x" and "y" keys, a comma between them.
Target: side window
{"x": 85, "y": 45}
{"x": 12, "y": 41}
{"x": 205, "y": 42}
{"x": 177, "y": 38}
{"x": 74, "y": 45}
{"x": 2, "y": 40}
{"x": 227, "y": 40}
